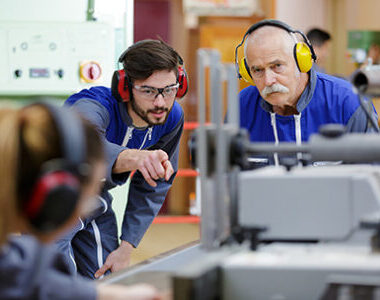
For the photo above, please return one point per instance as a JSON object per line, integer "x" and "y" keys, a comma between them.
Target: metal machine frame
{"x": 323, "y": 241}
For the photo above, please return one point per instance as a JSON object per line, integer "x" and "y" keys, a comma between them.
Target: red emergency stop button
{"x": 90, "y": 71}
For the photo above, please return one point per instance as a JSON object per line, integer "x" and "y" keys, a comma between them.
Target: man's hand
{"x": 117, "y": 260}
{"x": 153, "y": 164}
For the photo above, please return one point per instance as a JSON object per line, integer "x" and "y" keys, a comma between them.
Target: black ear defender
{"x": 303, "y": 52}
{"x": 121, "y": 86}
{"x": 53, "y": 197}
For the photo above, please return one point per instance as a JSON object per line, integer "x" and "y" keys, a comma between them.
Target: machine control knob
{"x": 332, "y": 130}
{"x": 90, "y": 71}
{"x": 60, "y": 73}
{"x": 288, "y": 162}
{"x": 18, "y": 73}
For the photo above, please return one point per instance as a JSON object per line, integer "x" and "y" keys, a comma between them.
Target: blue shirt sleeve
{"x": 359, "y": 122}
{"x": 145, "y": 201}
{"x": 98, "y": 115}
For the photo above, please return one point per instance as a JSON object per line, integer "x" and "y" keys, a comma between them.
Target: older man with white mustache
{"x": 275, "y": 88}
{"x": 288, "y": 100}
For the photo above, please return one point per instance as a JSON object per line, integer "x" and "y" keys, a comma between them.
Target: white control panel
{"x": 44, "y": 58}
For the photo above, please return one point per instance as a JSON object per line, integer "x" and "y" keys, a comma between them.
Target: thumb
{"x": 101, "y": 271}
{"x": 168, "y": 169}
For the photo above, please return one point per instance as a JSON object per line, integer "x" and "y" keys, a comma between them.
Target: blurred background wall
{"x": 185, "y": 24}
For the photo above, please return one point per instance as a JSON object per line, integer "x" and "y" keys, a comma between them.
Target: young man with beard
{"x": 289, "y": 100}
{"x": 142, "y": 124}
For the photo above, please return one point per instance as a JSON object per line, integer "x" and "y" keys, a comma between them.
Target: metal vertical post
{"x": 215, "y": 202}
{"x": 233, "y": 117}
{"x": 215, "y": 87}
{"x": 233, "y": 104}
{"x": 219, "y": 204}
{"x": 201, "y": 157}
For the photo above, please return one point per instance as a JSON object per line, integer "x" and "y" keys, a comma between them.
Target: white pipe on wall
{"x": 129, "y": 23}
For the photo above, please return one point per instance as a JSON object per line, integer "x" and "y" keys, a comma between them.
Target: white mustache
{"x": 275, "y": 88}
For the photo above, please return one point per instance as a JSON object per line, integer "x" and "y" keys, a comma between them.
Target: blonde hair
{"x": 31, "y": 126}
{"x": 9, "y": 143}
{"x": 28, "y": 138}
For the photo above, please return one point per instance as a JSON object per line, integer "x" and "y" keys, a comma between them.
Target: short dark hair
{"x": 147, "y": 56}
{"x": 318, "y": 37}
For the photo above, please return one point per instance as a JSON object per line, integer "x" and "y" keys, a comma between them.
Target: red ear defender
{"x": 183, "y": 83}
{"x": 55, "y": 193}
{"x": 50, "y": 195}
{"x": 119, "y": 86}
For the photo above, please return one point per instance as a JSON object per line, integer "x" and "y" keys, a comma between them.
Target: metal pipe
{"x": 129, "y": 22}
{"x": 221, "y": 160}
{"x": 352, "y": 148}
{"x": 233, "y": 111}
{"x": 282, "y": 148}
{"x": 215, "y": 87}
{"x": 90, "y": 10}
{"x": 367, "y": 80}
{"x": 201, "y": 154}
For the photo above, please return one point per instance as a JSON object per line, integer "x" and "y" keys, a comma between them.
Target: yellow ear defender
{"x": 244, "y": 71}
{"x": 303, "y": 57}
{"x": 303, "y": 52}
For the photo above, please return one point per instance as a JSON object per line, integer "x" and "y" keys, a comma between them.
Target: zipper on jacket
{"x": 297, "y": 121}
{"x": 150, "y": 130}
{"x": 147, "y": 135}
{"x": 276, "y": 142}
{"x": 128, "y": 136}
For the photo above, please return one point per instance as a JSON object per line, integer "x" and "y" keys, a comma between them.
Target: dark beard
{"x": 144, "y": 114}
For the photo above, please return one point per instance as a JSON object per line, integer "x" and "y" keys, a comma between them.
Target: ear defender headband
{"x": 53, "y": 197}
{"x": 121, "y": 86}
{"x": 303, "y": 52}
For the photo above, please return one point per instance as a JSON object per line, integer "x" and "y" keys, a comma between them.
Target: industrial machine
{"x": 309, "y": 229}
{"x": 54, "y": 58}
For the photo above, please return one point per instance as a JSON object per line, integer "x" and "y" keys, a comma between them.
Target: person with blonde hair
{"x": 49, "y": 176}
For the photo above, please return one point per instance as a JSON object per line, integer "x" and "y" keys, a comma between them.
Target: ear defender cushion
{"x": 244, "y": 71}
{"x": 303, "y": 57}
{"x": 119, "y": 86}
{"x": 53, "y": 201}
{"x": 183, "y": 83}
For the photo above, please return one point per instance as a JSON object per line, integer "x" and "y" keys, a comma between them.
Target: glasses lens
{"x": 170, "y": 91}
{"x": 148, "y": 93}
{"x": 151, "y": 93}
